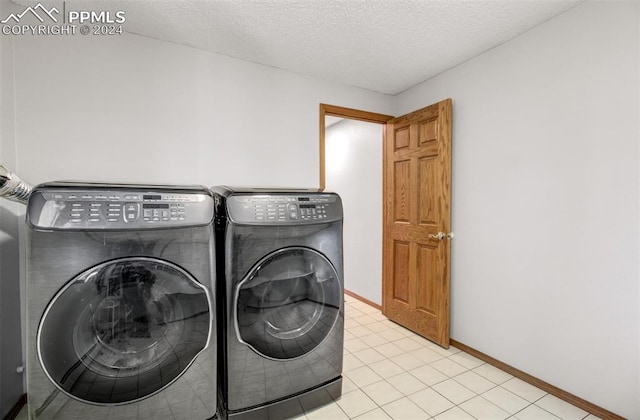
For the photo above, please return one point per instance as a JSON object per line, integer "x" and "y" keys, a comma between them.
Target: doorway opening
{"x": 351, "y": 164}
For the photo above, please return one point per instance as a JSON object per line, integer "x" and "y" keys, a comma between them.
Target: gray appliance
{"x": 281, "y": 302}
{"x": 120, "y": 302}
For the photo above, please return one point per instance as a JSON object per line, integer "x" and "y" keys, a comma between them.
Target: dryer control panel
{"x": 289, "y": 209}
{"x": 118, "y": 209}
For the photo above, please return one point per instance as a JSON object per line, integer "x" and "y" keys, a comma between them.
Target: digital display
{"x": 303, "y": 198}
{"x": 152, "y": 197}
{"x": 155, "y": 206}
{"x": 307, "y": 206}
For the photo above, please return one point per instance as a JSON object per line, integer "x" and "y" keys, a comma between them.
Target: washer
{"x": 120, "y": 306}
{"x": 281, "y": 306}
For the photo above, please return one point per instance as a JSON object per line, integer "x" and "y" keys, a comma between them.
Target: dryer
{"x": 120, "y": 302}
{"x": 281, "y": 301}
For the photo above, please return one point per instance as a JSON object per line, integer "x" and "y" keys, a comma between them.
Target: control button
{"x": 101, "y": 197}
{"x": 87, "y": 197}
{"x": 293, "y": 215}
{"x": 114, "y": 197}
{"x": 72, "y": 197}
{"x": 111, "y": 219}
{"x": 75, "y": 220}
{"x": 57, "y": 197}
{"x": 147, "y": 212}
{"x": 131, "y": 212}
{"x": 94, "y": 220}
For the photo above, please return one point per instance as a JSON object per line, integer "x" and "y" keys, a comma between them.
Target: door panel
{"x": 417, "y": 204}
{"x": 426, "y": 291}
{"x": 401, "y": 190}
{"x": 402, "y": 138}
{"x": 401, "y": 264}
{"x": 428, "y": 211}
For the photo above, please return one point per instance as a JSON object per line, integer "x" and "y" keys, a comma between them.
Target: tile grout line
{"x": 448, "y": 357}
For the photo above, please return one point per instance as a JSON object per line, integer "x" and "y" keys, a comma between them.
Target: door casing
{"x": 437, "y": 328}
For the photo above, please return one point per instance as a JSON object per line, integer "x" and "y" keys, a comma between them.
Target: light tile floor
{"x": 392, "y": 373}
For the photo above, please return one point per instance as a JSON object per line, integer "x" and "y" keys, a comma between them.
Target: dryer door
{"x": 288, "y": 303}
{"x": 123, "y": 330}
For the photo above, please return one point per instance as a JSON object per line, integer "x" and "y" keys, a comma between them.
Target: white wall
{"x": 354, "y": 170}
{"x": 11, "y": 383}
{"x": 134, "y": 109}
{"x": 545, "y": 201}
{"x": 129, "y": 108}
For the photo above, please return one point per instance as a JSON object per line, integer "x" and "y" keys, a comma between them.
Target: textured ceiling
{"x": 385, "y": 46}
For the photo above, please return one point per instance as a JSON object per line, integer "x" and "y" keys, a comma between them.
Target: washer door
{"x": 123, "y": 330}
{"x": 288, "y": 303}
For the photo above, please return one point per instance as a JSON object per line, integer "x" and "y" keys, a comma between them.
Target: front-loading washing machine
{"x": 281, "y": 301}
{"x": 120, "y": 302}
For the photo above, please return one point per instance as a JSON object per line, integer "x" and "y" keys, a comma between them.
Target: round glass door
{"x": 123, "y": 330}
{"x": 288, "y": 303}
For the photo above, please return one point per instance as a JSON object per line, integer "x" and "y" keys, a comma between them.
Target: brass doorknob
{"x": 441, "y": 235}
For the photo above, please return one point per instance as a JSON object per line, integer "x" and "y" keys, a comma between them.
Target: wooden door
{"x": 417, "y": 218}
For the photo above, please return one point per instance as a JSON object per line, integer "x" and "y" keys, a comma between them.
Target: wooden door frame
{"x": 349, "y": 113}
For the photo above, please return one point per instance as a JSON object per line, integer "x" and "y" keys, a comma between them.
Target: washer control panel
{"x": 118, "y": 209}
{"x": 276, "y": 208}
